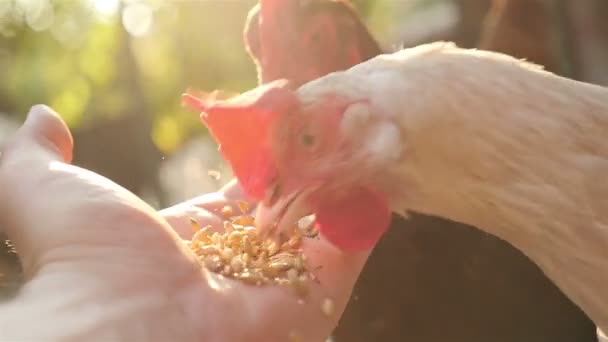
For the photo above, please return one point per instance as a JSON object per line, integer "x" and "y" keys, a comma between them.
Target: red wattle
{"x": 353, "y": 223}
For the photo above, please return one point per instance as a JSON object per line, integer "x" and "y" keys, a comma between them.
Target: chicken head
{"x": 289, "y": 158}
{"x": 302, "y": 40}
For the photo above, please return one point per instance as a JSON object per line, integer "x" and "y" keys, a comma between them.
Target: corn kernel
{"x": 213, "y": 263}
{"x": 237, "y": 264}
{"x": 255, "y": 250}
{"x": 227, "y": 270}
{"x": 195, "y": 226}
{"x": 246, "y": 245}
{"x": 280, "y": 266}
{"x": 215, "y": 237}
{"x": 227, "y": 254}
{"x": 202, "y": 235}
{"x": 292, "y": 274}
{"x": 295, "y": 337}
{"x": 243, "y": 220}
{"x": 235, "y": 236}
{"x": 327, "y": 307}
{"x": 246, "y": 258}
{"x": 228, "y": 227}
{"x": 273, "y": 248}
{"x": 214, "y": 174}
{"x": 243, "y": 206}
{"x": 227, "y": 211}
{"x": 208, "y": 250}
{"x": 249, "y": 278}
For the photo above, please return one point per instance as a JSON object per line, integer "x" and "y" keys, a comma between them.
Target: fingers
{"x": 46, "y": 128}
{"x": 206, "y": 209}
{"x": 179, "y": 217}
{"x": 234, "y": 191}
{"x": 42, "y": 134}
{"x": 601, "y": 337}
{"x": 275, "y": 311}
{"x": 336, "y": 272}
{"x": 43, "y": 138}
{"x": 272, "y": 312}
{"x": 51, "y": 209}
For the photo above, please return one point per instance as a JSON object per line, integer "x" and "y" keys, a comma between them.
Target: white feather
{"x": 496, "y": 143}
{"x": 384, "y": 142}
{"x": 354, "y": 119}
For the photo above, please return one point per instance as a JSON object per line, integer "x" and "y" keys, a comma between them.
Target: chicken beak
{"x": 278, "y": 214}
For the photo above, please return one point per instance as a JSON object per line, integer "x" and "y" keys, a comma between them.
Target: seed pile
{"x": 239, "y": 253}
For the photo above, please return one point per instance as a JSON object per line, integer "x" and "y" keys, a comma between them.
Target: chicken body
{"x": 301, "y": 40}
{"x": 486, "y": 140}
{"x": 444, "y": 264}
{"x": 503, "y": 293}
{"x": 475, "y": 137}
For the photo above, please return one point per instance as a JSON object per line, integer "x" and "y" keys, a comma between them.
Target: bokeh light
{"x": 137, "y": 17}
{"x": 106, "y": 8}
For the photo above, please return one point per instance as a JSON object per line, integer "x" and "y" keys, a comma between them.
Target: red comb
{"x": 272, "y": 7}
{"x": 241, "y": 125}
{"x": 354, "y": 223}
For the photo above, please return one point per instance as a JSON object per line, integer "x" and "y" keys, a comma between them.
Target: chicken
{"x": 301, "y": 40}
{"x": 484, "y": 272}
{"x": 472, "y": 136}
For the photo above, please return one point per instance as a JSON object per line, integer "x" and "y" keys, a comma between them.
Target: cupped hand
{"x": 100, "y": 264}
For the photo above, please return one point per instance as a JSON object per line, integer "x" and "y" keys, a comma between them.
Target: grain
{"x": 202, "y": 235}
{"x": 327, "y": 307}
{"x": 300, "y": 285}
{"x": 212, "y": 263}
{"x": 243, "y": 206}
{"x": 307, "y": 228}
{"x": 295, "y": 337}
{"x": 292, "y": 275}
{"x": 208, "y": 250}
{"x": 244, "y": 220}
{"x": 227, "y": 254}
{"x": 227, "y": 211}
{"x": 214, "y": 174}
{"x": 237, "y": 264}
{"x": 228, "y": 227}
{"x": 195, "y": 225}
{"x": 239, "y": 253}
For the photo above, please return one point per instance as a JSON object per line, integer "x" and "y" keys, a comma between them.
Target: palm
{"x": 96, "y": 255}
{"x": 272, "y": 313}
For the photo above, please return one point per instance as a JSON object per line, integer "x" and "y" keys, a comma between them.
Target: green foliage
{"x": 94, "y": 60}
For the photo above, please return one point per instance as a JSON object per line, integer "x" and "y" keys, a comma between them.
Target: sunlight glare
{"x": 39, "y": 14}
{"x": 106, "y": 8}
{"x": 5, "y": 10}
{"x": 137, "y": 19}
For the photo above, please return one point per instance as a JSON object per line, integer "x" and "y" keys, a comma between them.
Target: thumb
{"x": 24, "y": 163}
{"x": 44, "y": 134}
{"x": 55, "y": 211}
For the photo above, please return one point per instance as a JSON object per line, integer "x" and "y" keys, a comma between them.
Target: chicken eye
{"x": 307, "y": 140}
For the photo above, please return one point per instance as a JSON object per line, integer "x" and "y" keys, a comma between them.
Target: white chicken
{"x": 472, "y": 136}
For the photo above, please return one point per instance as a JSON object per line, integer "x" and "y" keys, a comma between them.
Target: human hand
{"x": 102, "y": 265}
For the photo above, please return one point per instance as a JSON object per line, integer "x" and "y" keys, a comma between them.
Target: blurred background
{"x": 115, "y": 70}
